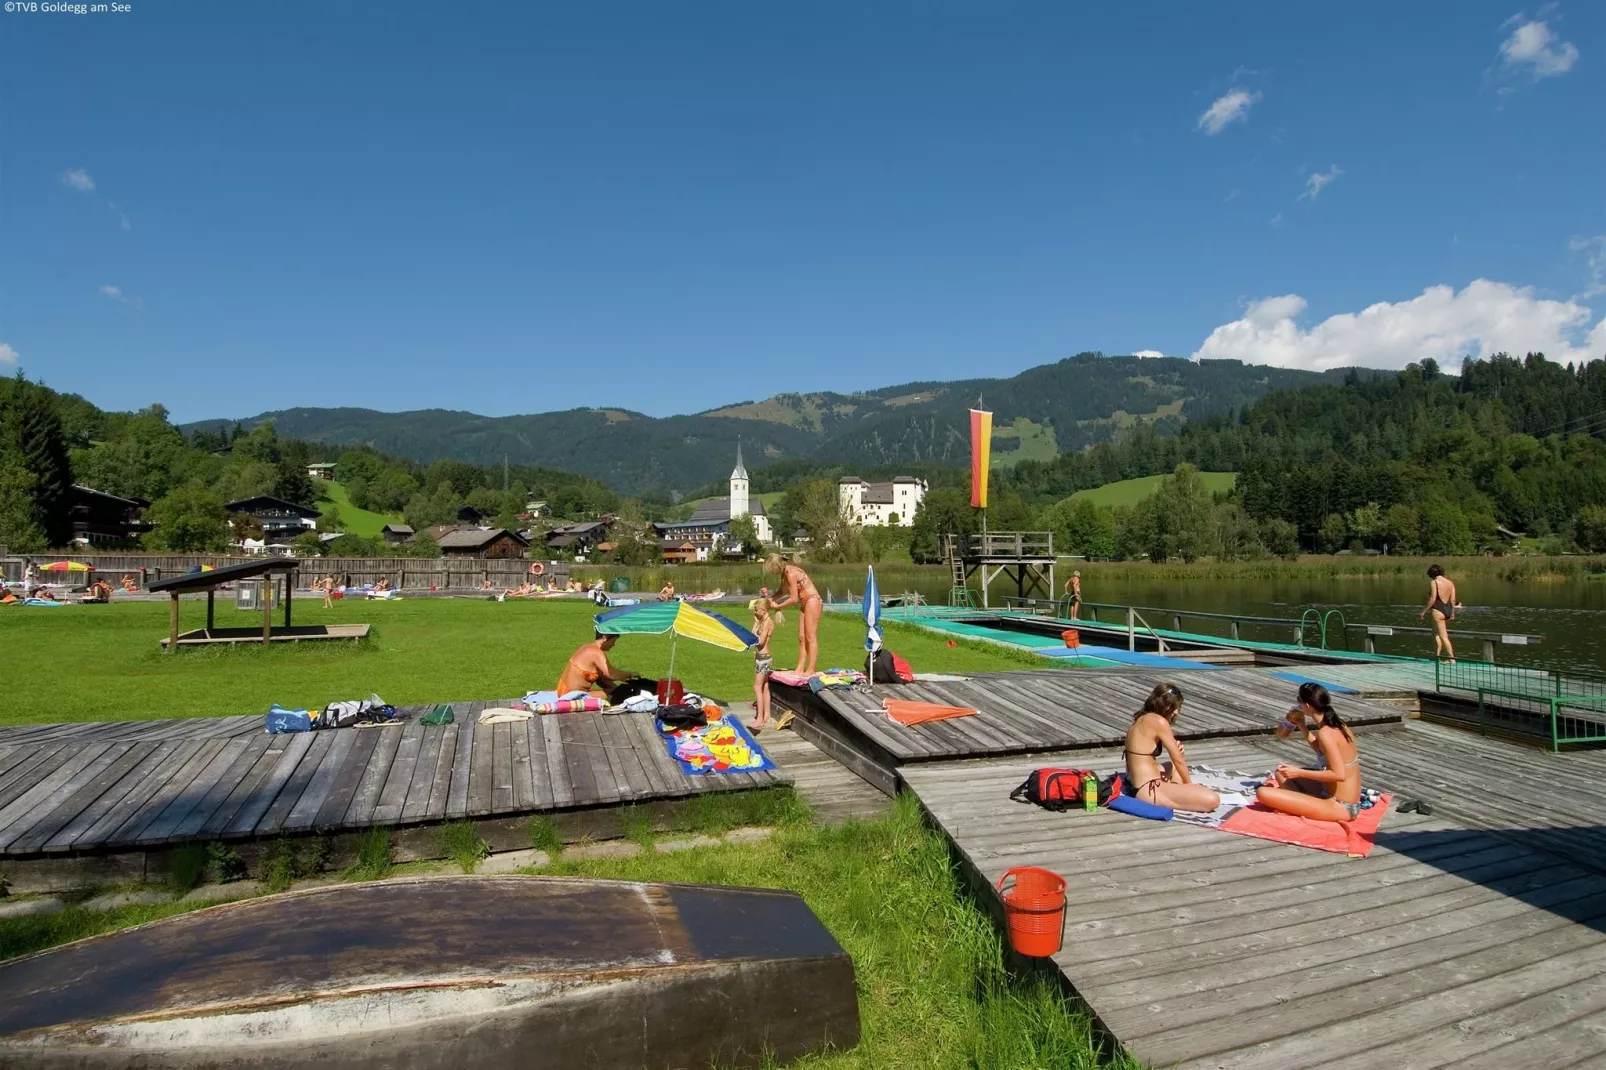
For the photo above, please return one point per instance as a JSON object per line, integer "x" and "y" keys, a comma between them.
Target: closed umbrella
{"x": 872, "y": 619}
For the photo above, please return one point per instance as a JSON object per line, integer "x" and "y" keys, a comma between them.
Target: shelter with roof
{"x": 208, "y": 580}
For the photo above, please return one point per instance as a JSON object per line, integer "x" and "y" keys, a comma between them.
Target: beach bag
{"x": 1053, "y": 789}
{"x": 879, "y": 667}
{"x": 282, "y": 720}
{"x": 438, "y": 715}
{"x": 676, "y": 717}
{"x": 371, "y": 710}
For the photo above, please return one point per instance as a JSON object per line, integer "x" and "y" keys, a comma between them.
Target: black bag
{"x": 879, "y": 667}
{"x": 674, "y": 718}
{"x": 630, "y": 688}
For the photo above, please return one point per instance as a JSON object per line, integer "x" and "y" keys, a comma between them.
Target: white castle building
{"x": 880, "y": 504}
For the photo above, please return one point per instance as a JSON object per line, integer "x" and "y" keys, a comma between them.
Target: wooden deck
{"x": 1037, "y": 710}
{"x": 1475, "y": 938}
{"x": 296, "y": 633}
{"x": 133, "y": 785}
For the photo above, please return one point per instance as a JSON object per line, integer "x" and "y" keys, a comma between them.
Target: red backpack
{"x": 1061, "y": 789}
{"x": 901, "y": 669}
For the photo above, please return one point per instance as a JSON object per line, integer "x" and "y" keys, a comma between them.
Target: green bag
{"x": 439, "y": 715}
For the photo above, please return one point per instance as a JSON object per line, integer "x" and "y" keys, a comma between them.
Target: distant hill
{"x": 1133, "y": 491}
{"x": 1039, "y": 413}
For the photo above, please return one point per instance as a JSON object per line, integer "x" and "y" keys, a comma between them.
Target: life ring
{"x": 538, "y": 569}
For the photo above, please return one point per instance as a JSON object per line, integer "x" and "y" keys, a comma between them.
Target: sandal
{"x": 784, "y": 720}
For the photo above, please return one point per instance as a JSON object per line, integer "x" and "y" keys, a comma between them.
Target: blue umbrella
{"x": 872, "y": 617}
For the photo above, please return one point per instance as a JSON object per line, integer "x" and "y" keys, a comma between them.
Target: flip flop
{"x": 783, "y": 720}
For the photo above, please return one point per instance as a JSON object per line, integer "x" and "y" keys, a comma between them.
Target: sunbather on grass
{"x": 1332, "y": 790}
{"x": 1151, "y": 736}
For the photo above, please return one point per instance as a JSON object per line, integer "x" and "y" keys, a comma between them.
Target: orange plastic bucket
{"x": 1072, "y": 637}
{"x": 1034, "y": 910}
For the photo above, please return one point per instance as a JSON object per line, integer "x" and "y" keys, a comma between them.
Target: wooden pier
{"x": 1036, "y": 710}
{"x": 1475, "y": 938}
{"x": 89, "y": 792}
{"x": 1025, "y": 557}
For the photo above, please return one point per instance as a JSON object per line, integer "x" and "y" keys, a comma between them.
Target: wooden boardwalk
{"x": 1475, "y": 938}
{"x": 134, "y": 785}
{"x": 1035, "y": 710}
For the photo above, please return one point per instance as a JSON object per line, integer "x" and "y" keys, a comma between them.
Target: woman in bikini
{"x": 801, "y": 593}
{"x": 1151, "y": 736}
{"x": 1332, "y": 790}
{"x": 1442, "y": 604}
{"x": 588, "y": 669}
{"x": 763, "y": 661}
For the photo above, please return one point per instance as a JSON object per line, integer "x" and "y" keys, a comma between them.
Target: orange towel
{"x": 908, "y": 713}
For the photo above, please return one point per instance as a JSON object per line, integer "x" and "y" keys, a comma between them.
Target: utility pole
{"x": 504, "y": 473}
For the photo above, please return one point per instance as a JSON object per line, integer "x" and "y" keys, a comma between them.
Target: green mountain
{"x": 1061, "y": 407}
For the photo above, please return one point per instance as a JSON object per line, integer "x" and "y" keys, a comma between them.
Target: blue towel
{"x": 280, "y": 720}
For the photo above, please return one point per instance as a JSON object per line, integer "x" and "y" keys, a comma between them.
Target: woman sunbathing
{"x": 1151, "y": 736}
{"x": 1331, "y": 791}
{"x": 521, "y": 591}
{"x": 383, "y": 584}
{"x": 127, "y": 583}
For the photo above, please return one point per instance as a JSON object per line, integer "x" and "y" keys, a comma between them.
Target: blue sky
{"x": 229, "y": 208}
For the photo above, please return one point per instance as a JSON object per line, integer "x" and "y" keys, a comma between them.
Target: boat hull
{"x": 443, "y": 972}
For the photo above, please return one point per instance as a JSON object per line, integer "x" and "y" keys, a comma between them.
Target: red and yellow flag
{"x": 981, "y": 455}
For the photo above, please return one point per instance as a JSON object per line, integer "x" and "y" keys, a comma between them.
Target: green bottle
{"x": 1090, "y": 793}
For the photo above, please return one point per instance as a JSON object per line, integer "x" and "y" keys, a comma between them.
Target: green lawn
{"x": 769, "y": 498}
{"x": 1132, "y": 491}
{"x": 355, "y": 521}
{"x": 106, "y": 665}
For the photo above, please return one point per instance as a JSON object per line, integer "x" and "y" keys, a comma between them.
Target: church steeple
{"x": 739, "y": 500}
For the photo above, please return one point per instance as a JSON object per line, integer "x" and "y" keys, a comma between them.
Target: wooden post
{"x": 211, "y": 595}
{"x": 172, "y": 624}
{"x": 1488, "y": 651}
{"x": 1131, "y": 628}
{"x": 267, "y": 606}
{"x": 288, "y": 585}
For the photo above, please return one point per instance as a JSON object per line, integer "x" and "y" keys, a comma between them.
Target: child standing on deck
{"x": 763, "y": 661}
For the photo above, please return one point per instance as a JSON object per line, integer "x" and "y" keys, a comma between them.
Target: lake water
{"x": 1568, "y": 615}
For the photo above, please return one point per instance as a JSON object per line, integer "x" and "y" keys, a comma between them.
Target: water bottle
{"x": 1090, "y": 793}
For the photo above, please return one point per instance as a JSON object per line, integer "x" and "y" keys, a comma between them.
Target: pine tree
{"x": 43, "y": 450}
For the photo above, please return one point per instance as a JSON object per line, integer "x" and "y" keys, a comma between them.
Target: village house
{"x": 891, "y": 504}
{"x": 395, "y": 534}
{"x": 102, "y": 519}
{"x": 483, "y": 542}
{"x": 321, "y": 470}
{"x": 281, "y": 521}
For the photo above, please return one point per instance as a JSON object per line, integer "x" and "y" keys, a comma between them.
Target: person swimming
{"x": 1331, "y": 790}
{"x": 1151, "y": 736}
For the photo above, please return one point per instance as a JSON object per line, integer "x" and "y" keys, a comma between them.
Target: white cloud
{"x": 1485, "y": 317}
{"x": 1231, "y": 107}
{"x": 116, "y": 294}
{"x": 78, "y": 179}
{"x": 1538, "y": 51}
{"x": 1146, "y": 353}
{"x": 1317, "y": 181}
{"x": 1594, "y": 250}
{"x": 1277, "y": 220}
{"x": 8, "y": 355}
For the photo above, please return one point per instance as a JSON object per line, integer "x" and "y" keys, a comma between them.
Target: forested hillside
{"x": 1414, "y": 461}
{"x": 48, "y": 441}
{"x": 1058, "y": 407}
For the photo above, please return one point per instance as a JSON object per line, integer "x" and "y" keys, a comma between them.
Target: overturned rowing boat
{"x": 445, "y": 972}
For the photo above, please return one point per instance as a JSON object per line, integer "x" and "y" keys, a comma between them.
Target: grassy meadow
{"x": 354, "y": 521}
{"x": 103, "y": 662}
{"x": 1133, "y": 491}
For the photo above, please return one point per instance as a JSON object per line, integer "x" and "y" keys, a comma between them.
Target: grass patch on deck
{"x": 422, "y": 650}
{"x": 933, "y": 991}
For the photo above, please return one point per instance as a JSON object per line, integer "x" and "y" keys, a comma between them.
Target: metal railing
{"x": 1572, "y": 702}
{"x": 1329, "y": 626}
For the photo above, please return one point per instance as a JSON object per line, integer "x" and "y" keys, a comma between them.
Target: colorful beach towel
{"x": 722, "y": 745}
{"x": 909, "y": 713}
{"x": 790, "y": 678}
{"x": 589, "y": 704}
{"x": 1241, "y": 815}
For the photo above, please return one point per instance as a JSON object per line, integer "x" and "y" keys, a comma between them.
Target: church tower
{"x": 739, "y": 505}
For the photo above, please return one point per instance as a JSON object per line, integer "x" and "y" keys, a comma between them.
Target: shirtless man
{"x": 1073, "y": 592}
{"x": 588, "y": 668}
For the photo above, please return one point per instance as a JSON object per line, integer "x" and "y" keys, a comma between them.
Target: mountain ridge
{"x": 1065, "y": 406}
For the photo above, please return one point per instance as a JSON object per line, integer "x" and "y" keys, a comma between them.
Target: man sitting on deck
{"x": 589, "y": 670}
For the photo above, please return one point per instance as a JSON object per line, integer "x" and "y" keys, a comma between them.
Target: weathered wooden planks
{"x": 1475, "y": 937}
{"x": 130, "y": 784}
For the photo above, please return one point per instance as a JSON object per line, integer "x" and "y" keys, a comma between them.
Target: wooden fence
{"x": 413, "y": 573}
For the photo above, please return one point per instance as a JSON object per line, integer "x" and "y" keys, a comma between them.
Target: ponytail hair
{"x": 1165, "y": 699}
{"x": 1316, "y": 697}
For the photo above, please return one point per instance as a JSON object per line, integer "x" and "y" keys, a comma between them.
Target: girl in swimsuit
{"x": 1332, "y": 790}
{"x": 801, "y": 593}
{"x": 1442, "y": 604}
{"x": 1151, "y": 736}
{"x": 763, "y": 661}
